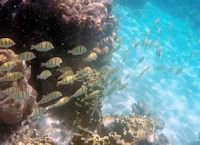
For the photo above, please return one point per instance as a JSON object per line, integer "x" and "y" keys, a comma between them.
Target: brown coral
{"x": 12, "y": 112}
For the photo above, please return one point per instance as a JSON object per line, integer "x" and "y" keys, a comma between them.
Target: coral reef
{"x": 123, "y": 130}
{"x": 66, "y": 24}
{"x": 11, "y": 111}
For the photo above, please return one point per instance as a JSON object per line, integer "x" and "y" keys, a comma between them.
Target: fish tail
{"x": 43, "y": 64}
{"x": 69, "y": 51}
{"x": 32, "y": 47}
{"x": 38, "y": 77}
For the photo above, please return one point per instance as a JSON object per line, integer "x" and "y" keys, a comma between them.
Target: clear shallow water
{"x": 175, "y": 96}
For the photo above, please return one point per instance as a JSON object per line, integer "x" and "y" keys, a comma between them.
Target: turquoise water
{"x": 171, "y": 86}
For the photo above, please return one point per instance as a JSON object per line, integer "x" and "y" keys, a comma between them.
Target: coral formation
{"x": 124, "y": 130}
{"x": 11, "y": 111}
{"x": 66, "y": 24}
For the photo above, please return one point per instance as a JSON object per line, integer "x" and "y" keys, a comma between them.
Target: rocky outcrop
{"x": 11, "y": 111}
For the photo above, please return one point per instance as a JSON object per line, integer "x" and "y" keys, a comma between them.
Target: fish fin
{"x": 38, "y": 77}
{"x": 69, "y": 51}
{"x": 33, "y": 47}
{"x": 43, "y": 64}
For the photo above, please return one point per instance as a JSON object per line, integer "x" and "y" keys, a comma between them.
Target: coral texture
{"x": 11, "y": 111}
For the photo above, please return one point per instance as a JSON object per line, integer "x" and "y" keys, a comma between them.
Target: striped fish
{"x": 64, "y": 69}
{"x": 52, "y": 63}
{"x": 13, "y": 76}
{"x": 60, "y": 102}
{"x": 26, "y": 56}
{"x": 67, "y": 80}
{"x": 65, "y": 74}
{"x": 43, "y": 46}
{"x": 7, "y": 66}
{"x": 51, "y": 96}
{"x": 81, "y": 91}
{"x": 11, "y": 91}
{"x": 91, "y": 57}
{"x": 94, "y": 94}
{"x": 20, "y": 96}
{"x": 6, "y": 42}
{"x": 79, "y": 50}
{"x": 44, "y": 75}
{"x": 85, "y": 70}
{"x": 37, "y": 112}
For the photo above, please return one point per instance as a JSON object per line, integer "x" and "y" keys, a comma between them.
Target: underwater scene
{"x": 99, "y": 72}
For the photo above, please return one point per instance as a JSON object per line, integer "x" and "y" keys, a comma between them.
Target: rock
{"x": 12, "y": 112}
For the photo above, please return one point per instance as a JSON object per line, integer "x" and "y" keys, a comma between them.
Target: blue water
{"x": 174, "y": 95}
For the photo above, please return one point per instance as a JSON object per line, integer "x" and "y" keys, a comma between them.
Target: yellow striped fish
{"x": 65, "y": 74}
{"x": 79, "y": 50}
{"x": 43, "y": 46}
{"x": 94, "y": 94}
{"x": 52, "y": 63}
{"x": 91, "y": 57}
{"x": 37, "y": 112}
{"x": 7, "y": 66}
{"x": 85, "y": 70}
{"x": 26, "y": 56}
{"x": 81, "y": 91}
{"x": 11, "y": 91}
{"x": 6, "y": 42}
{"x": 64, "y": 69}
{"x": 44, "y": 75}
{"x": 60, "y": 102}
{"x": 50, "y": 96}
{"x": 13, "y": 76}
{"x": 21, "y": 95}
{"x": 67, "y": 80}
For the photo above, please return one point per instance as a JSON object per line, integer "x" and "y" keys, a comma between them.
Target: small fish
{"x": 64, "y": 69}
{"x": 43, "y": 46}
{"x": 79, "y": 50}
{"x": 158, "y": 30}
{"x": 94, "y": 94}
{"x": 52, "y": 63}
{"x": 158, "y": 51}
{"x": 11, "y": 91}
{"x": 26, "y": 56}
{"x": 44, "y": 75}
{"x": 60, "y": 102}
{"x": 116, "y": 47}
{"x": 119, "y": 39}
{"x": 81, "y": 91}
{"x": 13, "y": 76}
{"x": 6, "y": 42}
{"x": 21, "y": 95}
{"x": 65, "y": 74}
{"x": 136, "y": 43}
{"x": 50, "y": 96}
{"x": 146, "y": 68}
{"x": 147, "y": 31}
{"x": 157, "y": 20}
{"x": 145, "y": 42}
{"x": 7, "y": 66}
{"x": 156, "y": 43}
{"x": 95, "y": 83}
{"x": 140, "y": 60}
{"x": 85, "y": 71}
{"x": 198, "y": 42}
{"x": 122, "y": 86}
{"x": 67, "y": 80}
{"x": 37, "y": 112}
{"x": 91, "y": 57}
